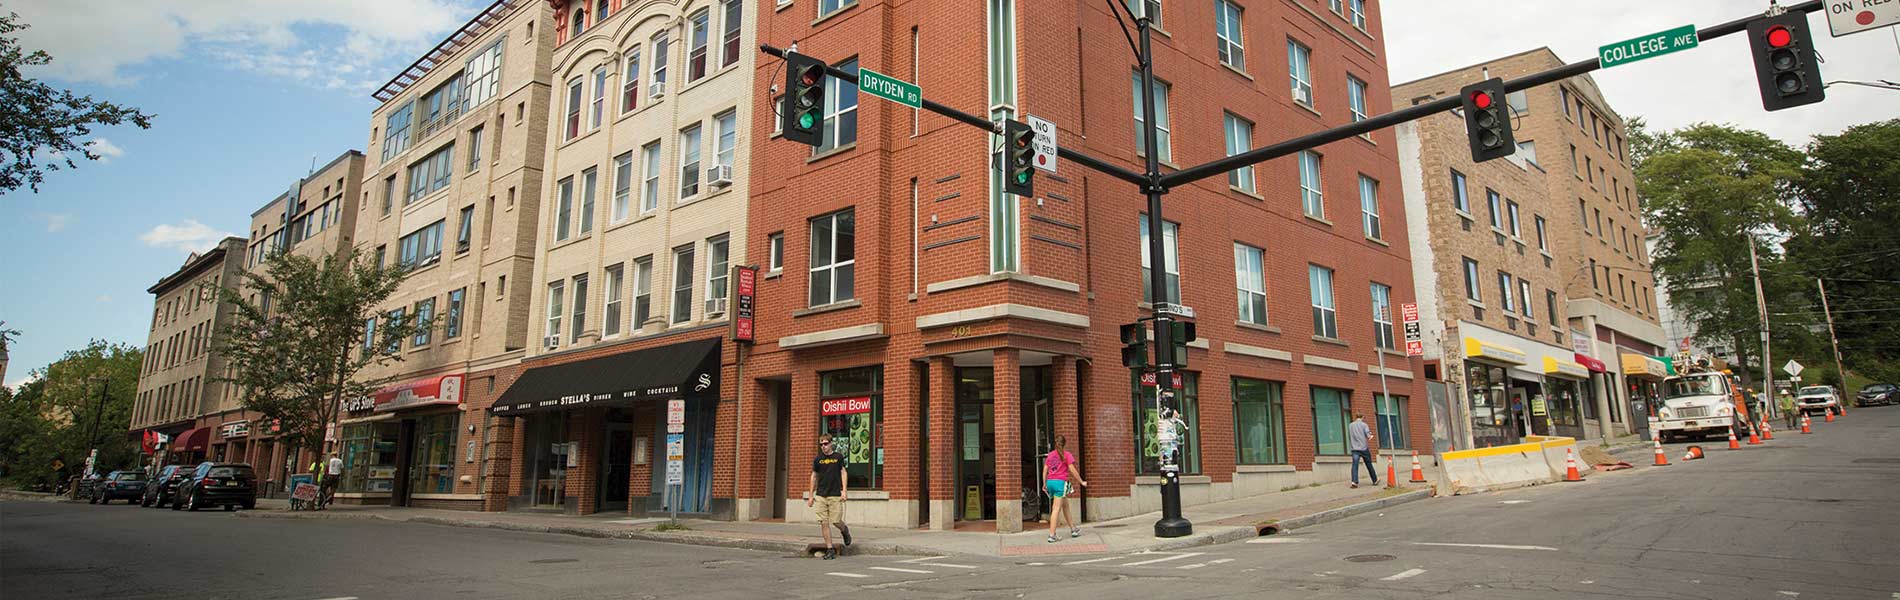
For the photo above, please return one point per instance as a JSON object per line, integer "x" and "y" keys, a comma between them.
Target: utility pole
{"x": 1172, "y": 524}
{"x": 1761, "y": 306}
{"x": 1835, "y": 341}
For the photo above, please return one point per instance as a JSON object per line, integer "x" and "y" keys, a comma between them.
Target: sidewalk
{"x": 1213, "y": 524}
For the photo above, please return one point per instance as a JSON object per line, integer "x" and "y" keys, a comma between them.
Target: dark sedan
{"x": 125, "y": 485}
{"x": 230, "y": 485}
{"x": 158, "y": 492}
{"x": 1879, "y": 394}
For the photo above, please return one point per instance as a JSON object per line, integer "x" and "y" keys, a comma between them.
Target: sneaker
{"x": 831, "y": 554}
{"x": 1052, "y": 539}
{"x": 1355, "y": 486}
{"x": 846, "y": 532}
{"x": 1075, "y": 533}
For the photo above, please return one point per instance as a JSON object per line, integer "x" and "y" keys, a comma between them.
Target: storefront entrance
{"x": 545, "y": 457}
{"x": 616, "y": 460}
{"x": 976, "y": 440}
{"x": 694, "y": 494}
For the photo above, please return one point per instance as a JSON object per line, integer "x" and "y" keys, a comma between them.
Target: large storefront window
{"x": 1489, "y": 389}
{"x": 857, "y": 430}
{"x": 1329, "y": 420}
{"x": 1148, "y": 447}
{"x": 1564, "y": 401}
{"x": 1259, "y": 421}
{"x": 1391, "y": 416}
{"x": 369, "y": 457}
{"x": 432, "y": 464}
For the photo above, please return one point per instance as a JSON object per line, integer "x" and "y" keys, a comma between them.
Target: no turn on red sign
{"x": 1854, "y": 16}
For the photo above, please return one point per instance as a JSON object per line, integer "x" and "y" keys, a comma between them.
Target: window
{"x": 1588, "y": 171}
{"x": 610, "y": 320}
{"x": 1300, "y": 72}
{"x": 1504, "y": 291}
{"x": 1162, "y": 134}
{"x": 396, "y": 130}
{"x": 1494, "y": 201}
{"x": 1391, "y": 420}
{"x": 683, "y": 284}
{"x": 395, "y": 320}
{"x": 650, "y": 181}
{"x": 623, "y": 186}
{"x": 689, "y": 162}
{"x": 598, "y": 109}
{"x": 575, "y": 88}
{"x": 1583, "y": 215}
{"x": 1550, "y": 306}
{"x": 1356, "y": 9}
{"x": 734, "y": 18}
{"x": 1239, "y": 139}
{"x": 1330, "y": 407}
{"x": 381, "y": 251}
{"x": 564, "y": 210}
{"x": 1147, "y": 447}
{"x": 475, "y": 148}
{"x": 1250, "y": 279}
{"x": 1563, "y": 97}
{"x": 630, "y": 82}
{"x": 826, "y": 7}
{"x": 775, "y": 249}
{"x": 556, "y": 295}
{"x": 600, "y": 11}
{"x": 661, "y": 50}
{"x": 1382, "y": 317}
{"x": 452, "y": 325}
{"x": 1598, "y": 215}
{"x": 696, "y": 55}
{"x": 483, "y": 73}
{"x": 1259, "y": 422}
{"x": 1524, "y": 294}
{"x": 422, "y": 247}
{"x": 1146, "y": 8}
{"x": 1573, "y": 160}
{"x": 1170, "y": 232}
{"x": 728, "y": 123}
{"x": 832, "y": 277}
{"x": 465, "y": 228}
{"x": 431, "y": 174}
{"x": 718, "y": 269}
{"x": 1594, "y": 283}
{"x": 580, "y": 308}
{"x": 840, "y": 127}
{"x": 580, "y": 23}
{"x": 1227, "y": 35}
{"x": 642, "y": 291}
{"x": 1369, "y": 206}
{"x": 1528, "y": 150}
{"x": 1356, "y": 96}
{"x": 389, "y": 194}
{"x": 590, "y": 180}
{"x": 1460, "y": 200}
{"x": 859, "y": 436}
{"x": 441, "y": 105}
{"x": 1473, "y": 291}
{"x": 1312, "y": 199}
{"x": 425, "y": 310}
{"x": 1511, "y": 207}
{"x": 1325, "y": 316}
{"x": 1543, "y": 245}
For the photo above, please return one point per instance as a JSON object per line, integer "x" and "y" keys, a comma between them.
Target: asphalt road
{"x": 1800, "y": 518}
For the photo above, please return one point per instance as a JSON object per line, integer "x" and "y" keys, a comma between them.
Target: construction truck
{"x": 1700, "y": 401}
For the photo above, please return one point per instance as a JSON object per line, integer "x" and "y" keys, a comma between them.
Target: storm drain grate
{"x": 1878, "y": 461}
{"x": 549, "y": 561}
{"x": 1362, "y": 558}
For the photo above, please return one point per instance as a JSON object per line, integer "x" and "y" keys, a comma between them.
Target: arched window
{"x": 580, "y": 23}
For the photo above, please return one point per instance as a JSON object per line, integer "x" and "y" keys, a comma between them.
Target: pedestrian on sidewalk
{"x": 333, "y": 475}
{"x": 1057, "y": 471}
{"x": 1357, "y": 435}
{"x": 1786, "y": 402}
{"x": 825, "y": 494}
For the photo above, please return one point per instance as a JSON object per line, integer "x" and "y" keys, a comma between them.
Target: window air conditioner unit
{"x": 552, "y": 342}
{"x": 719, "y": 175}
{"x": 657, "y": 89}
{"x": 715, "y": 306}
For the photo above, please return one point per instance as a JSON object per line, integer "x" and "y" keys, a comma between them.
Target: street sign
{"x": 1684, "y": 344}
{"x": 1648, "y": 46}
{"x": 1045, "y": 142}
{"x": 745, "y": 296}
{"x": 676, "y": 416}
{"x": 675, "y": 459}
{"x": 1793, "y": 368}
{"x": 1414, "y": 339}
{"x": 890, "y": 88}
{"x": 1854, "y": 16}
{"x": 1178, "y": 310}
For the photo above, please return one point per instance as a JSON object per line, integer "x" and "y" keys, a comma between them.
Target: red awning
{"x": 1592, "y": 364}
{"x": 441, "y": 389}
{"x": 192, "y": 440}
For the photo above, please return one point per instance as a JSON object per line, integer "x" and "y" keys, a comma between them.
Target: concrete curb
{"x": 1328, "y": 516}
{"x": 23, "y": 496}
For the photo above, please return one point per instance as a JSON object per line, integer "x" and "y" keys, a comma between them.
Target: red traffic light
{"x": 1481, "y": 99}
{"x": 1779, "y": 37}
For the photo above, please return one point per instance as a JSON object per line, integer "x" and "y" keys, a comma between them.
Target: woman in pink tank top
{"x": 1057, "y": 469}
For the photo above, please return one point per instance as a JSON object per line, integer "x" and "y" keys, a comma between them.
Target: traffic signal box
{"x": 1487, "y": 122}
{"x": 1785, "y": 67}
{"x": 1019, "y": 158}
{"x": 802, "y": 117}
{"x": 1134, "y": 345}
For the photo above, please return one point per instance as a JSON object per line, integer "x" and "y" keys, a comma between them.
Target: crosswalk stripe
{"x": 1163, "y": 559}
{"x": 900, "y": 570}
{"x": 1092, "y": 560}
{"x": 1403, "y": 574}
{"x": 922, "y": 559}
{"x": 953, "y": 566}
{"x": 1220, "y": 561}
{"x": 853, "y": 575}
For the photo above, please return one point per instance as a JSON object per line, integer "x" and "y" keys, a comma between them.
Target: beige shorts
{"x": 828, "y": 509}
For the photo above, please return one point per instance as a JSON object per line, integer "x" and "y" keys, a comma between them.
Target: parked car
{"x": 230, "y": 485}
{"x": 124, "y": 485}
{"x": 1818, "y": 398}
{"x": 1879, "y": 394}
{"x": 83, "y": 487}
{"x": 158, "y": 491}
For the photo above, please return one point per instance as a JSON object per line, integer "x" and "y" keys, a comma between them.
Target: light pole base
{"x": 1173, "y": 528}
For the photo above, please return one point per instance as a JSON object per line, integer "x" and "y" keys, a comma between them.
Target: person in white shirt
{"x": 1358, "y": 434}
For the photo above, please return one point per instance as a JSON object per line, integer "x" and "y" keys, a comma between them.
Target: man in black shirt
{"x": 825, "y": 494}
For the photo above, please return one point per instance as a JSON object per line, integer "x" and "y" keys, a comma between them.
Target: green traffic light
{"x": 805, "y": 121}
{"x": 1022, "y": 177}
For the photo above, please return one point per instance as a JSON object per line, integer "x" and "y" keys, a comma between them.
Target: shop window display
{"x": 369, "y": 457}
{"x": 856, "y": 428}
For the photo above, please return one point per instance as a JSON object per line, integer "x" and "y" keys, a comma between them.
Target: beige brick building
{"x": 178, "y": 381}
{"x": 1584, "y": 336}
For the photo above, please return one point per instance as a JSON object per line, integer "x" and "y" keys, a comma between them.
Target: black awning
{"x": 683, "y": 370}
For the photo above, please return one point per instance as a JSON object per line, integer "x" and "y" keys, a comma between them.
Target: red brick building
{"x": 981, "y": 325}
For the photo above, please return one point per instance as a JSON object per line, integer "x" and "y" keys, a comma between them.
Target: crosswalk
{"x": 936, "y": 566}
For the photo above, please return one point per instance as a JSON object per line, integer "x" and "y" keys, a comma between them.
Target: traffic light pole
{"x": 1172, "y": 524}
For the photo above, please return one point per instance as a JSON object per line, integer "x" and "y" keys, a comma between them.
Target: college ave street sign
{"x": 1648, "y": 46}
{"x": 890, "y": 88}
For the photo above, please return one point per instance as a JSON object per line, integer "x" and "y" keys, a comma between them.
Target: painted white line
{"x": 1496, "y": 546}
{"x": 923, "y": 559}
{"x": 1034, "y": 564}
{"x": 851, "y": 575}
{"x": 1512, "y": 501}
{"x": 1192, "y": 566}
{"x": 340, "y": 598}
{"x": 1163, "y": 559}
{"x": 1092, "y": 560}
{"x": 900, "y": 570}
{"x": 1403, "y": 574}
{"x": 1789, "y": 594}
{"x": 1275, "y": 540}
{"x": 1220, "y": 561}
{"x": 949, "y": 565}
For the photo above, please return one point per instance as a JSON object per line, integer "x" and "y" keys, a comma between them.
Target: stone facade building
{"x": 178, "y": 383}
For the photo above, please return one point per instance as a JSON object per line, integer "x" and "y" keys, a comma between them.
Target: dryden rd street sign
{"x": 890, "y": 88}
{"x": 1648, "y": 46}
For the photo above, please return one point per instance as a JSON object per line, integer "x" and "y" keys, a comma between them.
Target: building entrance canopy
{"x": 683, "y": 370}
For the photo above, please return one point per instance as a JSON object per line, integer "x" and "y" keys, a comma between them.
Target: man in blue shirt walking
{"x": 1357, "y": 435}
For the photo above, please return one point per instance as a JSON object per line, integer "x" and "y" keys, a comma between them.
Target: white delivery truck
{"x": 1700, "y": 402}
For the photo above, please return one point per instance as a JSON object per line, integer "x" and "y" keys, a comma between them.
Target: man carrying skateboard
{"x": 825, "y": 494}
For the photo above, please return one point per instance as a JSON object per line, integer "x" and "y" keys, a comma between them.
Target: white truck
{"x": 1700, "y": 402}
{"x": 1818, "y": 399}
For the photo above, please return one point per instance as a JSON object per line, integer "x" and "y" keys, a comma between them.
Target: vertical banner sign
{"x": 743, "y": 297}
{"x": 1414, "y": 341}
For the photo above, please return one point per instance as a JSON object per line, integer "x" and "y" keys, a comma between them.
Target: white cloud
{"x": 309, "y": 41}
{"x": 1714, "y": 82}
{"x": 189, "y": 236}
{"x": 105, "y": 149}
{"x": 23, "y": 380}
{"x": 55, "y": 222}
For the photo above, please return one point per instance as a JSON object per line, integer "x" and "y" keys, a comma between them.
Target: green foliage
{"x": 295, "y": 343}
{"x": 82, "y": 401}
{"x": 39, "y": 118}
{"x": 1850, "y": 193}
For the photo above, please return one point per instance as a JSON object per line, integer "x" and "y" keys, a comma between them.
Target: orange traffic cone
{"x": 1830, "y": 415}
{"x": 1807, "y": 425}
{"x": 1661, "y": 461}
{"x": 1732, "y": 444}
{"x": 1767, "y": 432}
{"x": 1391, "y": 473}
{"x": 1570, "y": 466}
{"x": 1753, "y": 440}
{"x": 1695, "y": 452}
{"x": 1418, "y": 473}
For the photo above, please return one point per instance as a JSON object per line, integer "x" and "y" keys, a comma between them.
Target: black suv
{"x": 230, "y": 485}
{"x": 126, "y": 485}
{"x": 158, "y": 491}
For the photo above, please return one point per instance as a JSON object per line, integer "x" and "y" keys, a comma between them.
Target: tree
{"x": 1711, "y": 191}
{"x": 80, "y": 402}
{"x": 297, "y": 341}
{"x": 1849, "y": 191}
{"x": 41, "y": 123}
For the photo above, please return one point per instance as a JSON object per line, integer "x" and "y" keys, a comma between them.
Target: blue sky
{"x": 244, "y": 99}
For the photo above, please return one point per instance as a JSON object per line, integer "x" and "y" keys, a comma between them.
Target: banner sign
{"x": 845, "y": 406}
{"x": 745, "y": 295}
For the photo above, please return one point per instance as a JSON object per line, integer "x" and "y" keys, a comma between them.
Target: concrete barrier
{"x": 1540, "y": 459}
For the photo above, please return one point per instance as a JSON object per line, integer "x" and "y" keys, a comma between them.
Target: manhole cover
{"x": 1878, "y": 461}
{"x": 547, "y": 561}
{"x": 1370, "y": 558}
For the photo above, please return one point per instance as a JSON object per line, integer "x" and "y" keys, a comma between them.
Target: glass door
{"x": 976, "y": 444}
